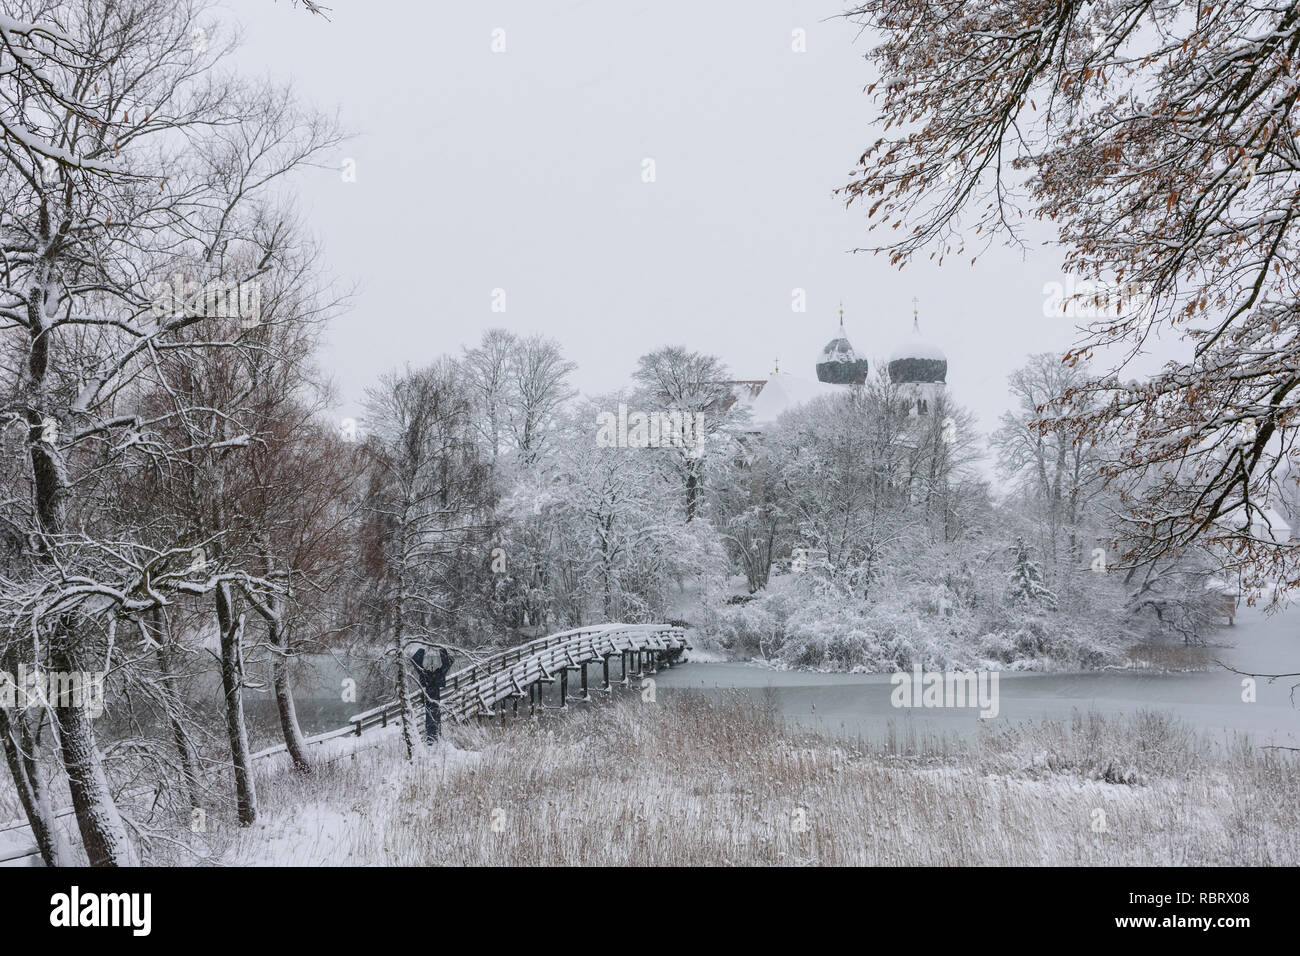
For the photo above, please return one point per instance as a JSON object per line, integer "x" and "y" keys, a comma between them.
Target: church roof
{"x": 780, "y": 393}
{"x": 839, "y": 363}
{"x": 918, "y": 360}
{"x": 838, "y": 349}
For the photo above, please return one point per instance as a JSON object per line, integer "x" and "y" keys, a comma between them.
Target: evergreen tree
{"x": 1027, "y": 586}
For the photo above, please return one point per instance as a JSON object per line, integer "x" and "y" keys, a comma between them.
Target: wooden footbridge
{"x": 498, "y": 684}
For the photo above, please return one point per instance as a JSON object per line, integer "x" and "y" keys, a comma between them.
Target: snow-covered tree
{"x": 488, "y": 372}
{"x": 845, "y": 480}
{"x": 1052, "y": 469}
{"x": 126, "y": 157}
{"x": 1027, "y": 586}
{"x": 749, "y": 508}
{"x": 673, "y": 378}
{"x": 520, "y": 386}
{"x": 432, "y": 496}
{"x": 1158, "y": 138}
{"x": 865, "y": 481}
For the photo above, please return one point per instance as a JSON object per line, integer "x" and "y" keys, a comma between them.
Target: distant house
{"x": 1272, "y": 525}
{"x": 1266, "y": 524}
{"x": 1227, "y": 595}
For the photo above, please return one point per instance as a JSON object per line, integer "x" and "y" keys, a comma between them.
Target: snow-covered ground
{"x": 694, "y": 782}
{"x": 324, "y": 830}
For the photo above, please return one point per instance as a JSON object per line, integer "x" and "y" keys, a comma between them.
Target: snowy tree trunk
{"x": 232, "y": 683}
{"x": 171, "y": 701}
{"x": 102, "y": 830}
{"x": 103, "y": 833}
{"x": 607, "y": 572}
{"x": 20, "y": 754}
{"x": 398, "y": 627}
{"x": 293, "y": 738}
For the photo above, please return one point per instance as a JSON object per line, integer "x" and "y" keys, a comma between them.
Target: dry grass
{"x": 1166, "y": 656}
{"x": 693, "y": 782}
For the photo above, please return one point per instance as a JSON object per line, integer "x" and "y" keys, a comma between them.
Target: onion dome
{"x": 917, "y": 361}
{"x": 838, "y": 363}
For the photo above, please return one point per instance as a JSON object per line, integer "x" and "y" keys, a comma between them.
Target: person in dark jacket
{"x": 431, "y": 681}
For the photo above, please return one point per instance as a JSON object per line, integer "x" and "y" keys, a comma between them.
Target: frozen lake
{"x": 859, "y": 704}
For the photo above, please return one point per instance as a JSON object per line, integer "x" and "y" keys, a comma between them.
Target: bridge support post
{"x": 585, "y": 695}
{"x": 604, "y": 661}
{"x": 564, "y": 688}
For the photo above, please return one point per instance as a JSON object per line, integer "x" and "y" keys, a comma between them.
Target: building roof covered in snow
{"x": 839, "y": 363}
{"x": 780, "y": 393}
{"x": 918, "y": 360}
{"x": 1265, "y": 525}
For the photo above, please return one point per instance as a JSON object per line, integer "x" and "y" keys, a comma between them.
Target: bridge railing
{"x": 473, "y": 676}
{"x": 476, "y": 698}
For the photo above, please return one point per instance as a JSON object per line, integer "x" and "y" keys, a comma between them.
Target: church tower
{"x": 838, "y": 363}
{"x": 920, "y": 369}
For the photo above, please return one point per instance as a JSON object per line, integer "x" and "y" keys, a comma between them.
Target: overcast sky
{"x": 523, "y": 171}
